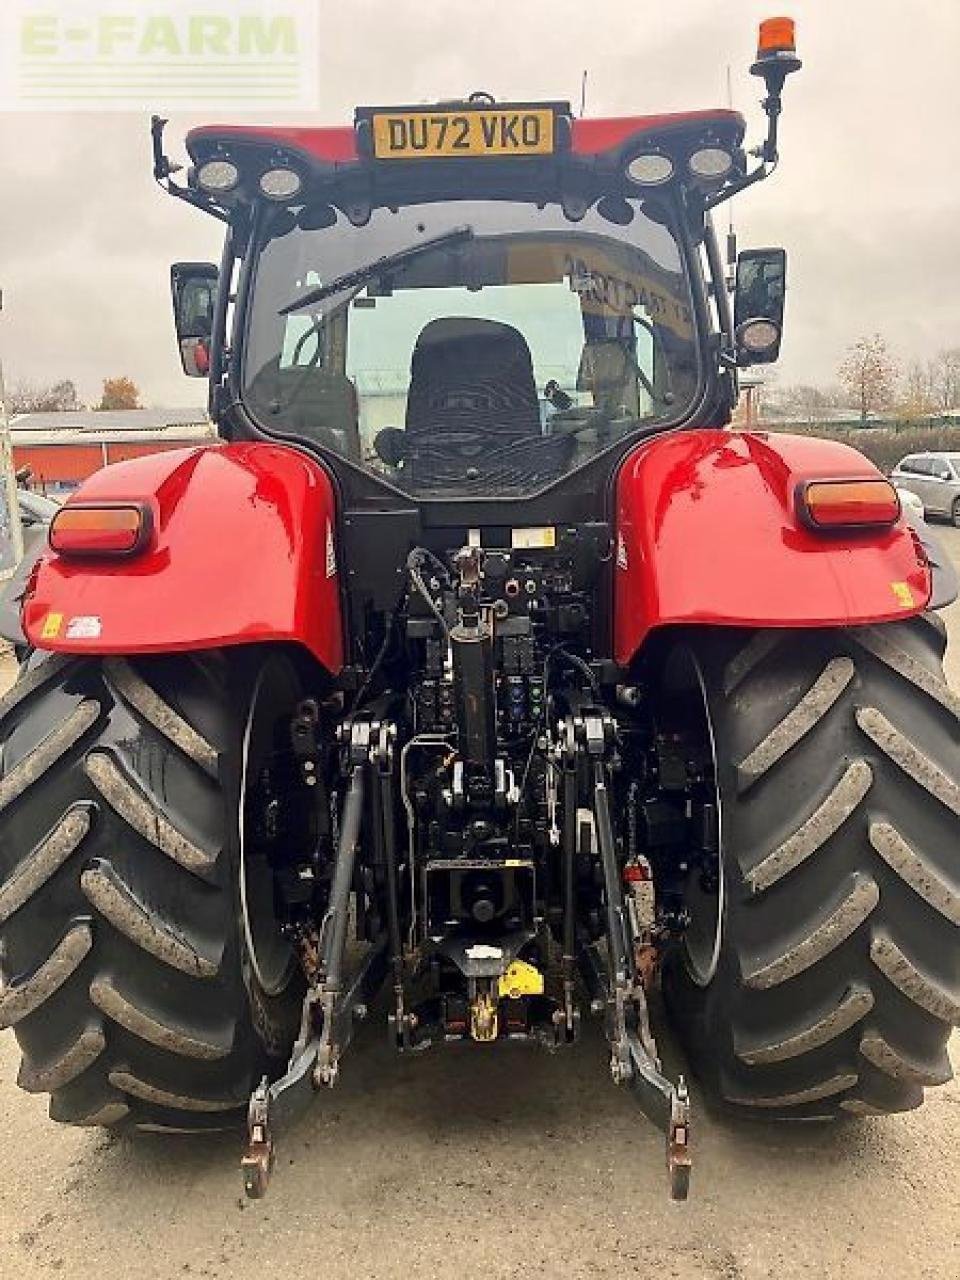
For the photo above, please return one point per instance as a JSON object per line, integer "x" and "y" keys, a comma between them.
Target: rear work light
{"x": 848, "y": 504}
{"x": 711, "y": 164}
{"x": 218, "y": 177}
{"x": 121, "y": 529}
{"x": 651, "y": 169}
{"x": 281, "y": 184}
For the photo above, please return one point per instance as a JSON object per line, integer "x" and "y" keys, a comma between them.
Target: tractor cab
{"x": 474, "y": 300}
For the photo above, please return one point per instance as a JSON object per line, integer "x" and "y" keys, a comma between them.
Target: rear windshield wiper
{"x": 391, "y": 262}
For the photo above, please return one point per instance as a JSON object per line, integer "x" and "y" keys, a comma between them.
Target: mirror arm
{"x": 164, "y": 169}
{"x": 773, "y": 106}
{"x": 198, "y": 202}
{"x": 741, "y": 184}
{"x": 774, "y": 71}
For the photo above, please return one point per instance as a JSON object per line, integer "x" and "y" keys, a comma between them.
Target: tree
{"x": 915, "y": 402}
{"x": 119, "y": 393}
{"x": 804, "y": 402}
{"x": 869, "y": 372}
{"x": 60, "y": 397}
{"x": 944, "y": 380}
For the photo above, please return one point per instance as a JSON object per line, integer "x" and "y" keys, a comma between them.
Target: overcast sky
{"x": 867, "y": 199}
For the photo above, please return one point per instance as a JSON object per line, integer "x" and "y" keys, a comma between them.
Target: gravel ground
{"x": 508, "y": 1164}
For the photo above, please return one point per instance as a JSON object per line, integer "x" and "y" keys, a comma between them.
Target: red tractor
{"x": 479, "y": 662}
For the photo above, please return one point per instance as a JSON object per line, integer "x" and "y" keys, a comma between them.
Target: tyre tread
{"x": 113, "y": 898}
{"x": 122, "y": 1009}
{"x": 139, "y": 811}
{"x": 23, "y": 998}
{"x": 120, "y": 945}
{"x": 895, "y": 744}
{"x": 155, "y": 1094}
{"x": 45, "y": 755}
{"x": 142, "y": 696}
{"x": 827, "y": 933}
{"x": 43, "y": 861}
{"x": 816, "y": 830}
{"x": 855, "y": 1005}
{"x": 839, "y": 974}
{"x": 898, "y": 1065}
{"x": 798, "y": 722}
{"x": 54, "y": 1074}
{"x": 912, "y": 981}
{"x": 903, "y": 859}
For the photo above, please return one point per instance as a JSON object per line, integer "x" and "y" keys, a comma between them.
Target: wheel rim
{"x": 271, "y": 956}
{"x": 703, "y": 937}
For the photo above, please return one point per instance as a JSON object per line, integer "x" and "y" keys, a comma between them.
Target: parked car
{"x": 36, "y": 512}
{"x": 912, "y": 505}
{"x": 946, "y": 581}
{"x": 935, "y": 479}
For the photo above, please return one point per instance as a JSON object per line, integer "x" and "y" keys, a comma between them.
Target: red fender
{"x": 707, "y": 533}
{"x": 241, "y": 552}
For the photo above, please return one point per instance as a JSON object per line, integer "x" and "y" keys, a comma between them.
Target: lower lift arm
{"x": 587, "y": 749}
{"x": 330, "y": 1008}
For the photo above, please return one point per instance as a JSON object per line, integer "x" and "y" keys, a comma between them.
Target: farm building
{"x": 61, "y": 449}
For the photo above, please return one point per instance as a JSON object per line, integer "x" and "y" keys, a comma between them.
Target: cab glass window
{"x": 504, "y": 347}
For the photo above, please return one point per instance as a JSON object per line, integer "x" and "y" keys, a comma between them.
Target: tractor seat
{"x": 473, "y": 413}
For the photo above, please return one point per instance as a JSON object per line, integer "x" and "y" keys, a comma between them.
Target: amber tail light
{"x": 119, "y": 529}
{"x": 848, "y": 504}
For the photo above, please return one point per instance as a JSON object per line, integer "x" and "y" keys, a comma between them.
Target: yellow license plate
{"x": 424, "y": 135}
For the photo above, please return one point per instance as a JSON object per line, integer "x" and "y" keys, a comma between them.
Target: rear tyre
{"x": 955, "y": 513}
{"x": 125, "y": 971}
{"x": 836, "y": 979}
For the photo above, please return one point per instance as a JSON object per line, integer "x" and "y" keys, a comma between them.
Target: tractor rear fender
{"x": 708, "y": 533}
{"x": 241, "y": 551}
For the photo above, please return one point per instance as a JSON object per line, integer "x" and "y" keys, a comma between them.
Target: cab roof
{"x": 337, "y": 146}
{"x": 340, "y": 167}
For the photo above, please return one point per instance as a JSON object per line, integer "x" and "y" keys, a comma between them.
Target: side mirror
{"x": 194, "y": 289}
{"x": 758, "y": 305}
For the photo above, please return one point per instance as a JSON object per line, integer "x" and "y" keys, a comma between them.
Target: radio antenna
{"x": 583, "y": 94}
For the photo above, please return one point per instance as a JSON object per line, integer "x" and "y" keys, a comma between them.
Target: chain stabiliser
{"x": 332, "y": 1005}
{"x": 587, "y": 752}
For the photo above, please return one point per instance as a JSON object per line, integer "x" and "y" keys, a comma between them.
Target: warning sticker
{"x": 51, "y": 626}
{"x": 84, "y": 628}
{"x": 539, "y": 538}
{"x": 903, "y": 594}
